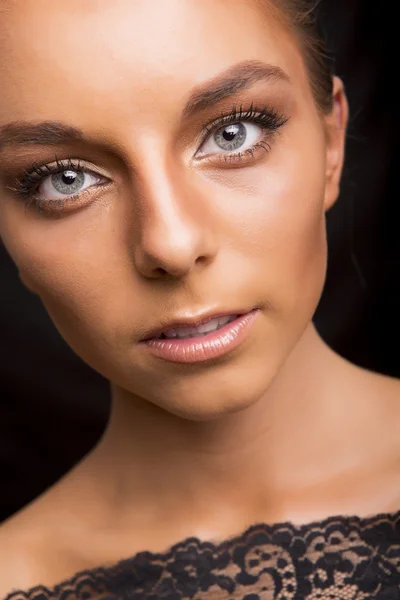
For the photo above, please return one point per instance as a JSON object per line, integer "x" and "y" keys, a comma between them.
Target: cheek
{"x": 76, "y": 270}
{"x": 277, "y": 222}
{"x": 91, "y": 301}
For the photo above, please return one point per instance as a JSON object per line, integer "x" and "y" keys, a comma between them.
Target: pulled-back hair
{"x": 300, "y": 16}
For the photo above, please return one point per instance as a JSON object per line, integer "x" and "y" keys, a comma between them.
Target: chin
{"x": 212, "y": 406}
{"x": 209, "y": 409}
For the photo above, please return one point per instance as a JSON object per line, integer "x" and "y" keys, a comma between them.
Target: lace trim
{"x": 349, "y": 558}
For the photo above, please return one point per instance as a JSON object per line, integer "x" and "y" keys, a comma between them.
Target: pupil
{"x": 68, "y": 177}
{"x": 230, "y": 132}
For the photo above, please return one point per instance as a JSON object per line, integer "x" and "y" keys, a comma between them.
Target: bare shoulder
{"x": 33, "y": 551}
{"x": 58, "y": 535}
{"x": 20, "y": 545}
{"x": 386, "y": 391}
{"x": 380, "y": 394}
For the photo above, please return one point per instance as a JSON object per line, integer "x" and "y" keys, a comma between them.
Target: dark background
{"x": 54, "y": 407}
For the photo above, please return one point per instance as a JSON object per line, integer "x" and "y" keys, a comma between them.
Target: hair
{"x": 300, "y": 16}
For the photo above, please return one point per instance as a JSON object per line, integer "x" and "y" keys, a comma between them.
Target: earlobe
{"x": 336, "y": 126}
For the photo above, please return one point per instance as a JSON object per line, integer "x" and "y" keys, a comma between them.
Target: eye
{"x": 69, "y": 182}
{"x": 59, "y": 187}
{"x": 234, "y": 137}
{"x": 241, "y": 136}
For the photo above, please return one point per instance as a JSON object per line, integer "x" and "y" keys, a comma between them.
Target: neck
{"x": 261, "y": 460}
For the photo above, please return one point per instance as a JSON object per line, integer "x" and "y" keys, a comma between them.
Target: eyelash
{"x": 267, "y": 117}
{"x": 25, "y": 186}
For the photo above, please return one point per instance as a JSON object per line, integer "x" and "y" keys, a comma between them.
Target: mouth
{"x": 208, "y": 340}
{"x": 192, "y": 328}
{"x": 184, "y": 333}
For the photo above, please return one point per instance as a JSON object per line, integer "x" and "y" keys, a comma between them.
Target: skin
{"x": 280, "y": 429}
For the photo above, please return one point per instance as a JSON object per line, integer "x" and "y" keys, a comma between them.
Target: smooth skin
{"x": 281, "y": 428}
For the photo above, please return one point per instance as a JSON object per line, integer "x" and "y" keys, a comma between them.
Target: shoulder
{"x": 385, "y": 392}
{"x": 31, "y": 551}
{"x": 378, "y": 406}
{"x": 381, "y": 395}
{"x": 20, "y": 546}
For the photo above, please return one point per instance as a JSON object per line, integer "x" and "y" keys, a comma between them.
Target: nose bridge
{"x": 173, "y": 233}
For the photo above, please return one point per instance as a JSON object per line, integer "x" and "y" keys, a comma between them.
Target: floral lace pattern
{"x": 340, "y": 558}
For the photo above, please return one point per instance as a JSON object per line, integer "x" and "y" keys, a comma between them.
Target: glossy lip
{"x": 195, "y": 322}
{"x": 207, "y": 347}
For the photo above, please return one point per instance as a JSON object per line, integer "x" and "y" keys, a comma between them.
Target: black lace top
{"x": 341, "y": 558}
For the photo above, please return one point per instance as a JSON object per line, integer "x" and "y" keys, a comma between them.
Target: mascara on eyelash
{"x": 25, "y": 184}
{"x": 267, "y": 116}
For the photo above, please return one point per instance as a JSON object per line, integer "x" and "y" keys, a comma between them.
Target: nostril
{"x": 201, "y": 260}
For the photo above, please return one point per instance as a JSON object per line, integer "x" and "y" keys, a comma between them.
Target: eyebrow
{"x": 237, "y": 77}
{"x": 43, "y": 133}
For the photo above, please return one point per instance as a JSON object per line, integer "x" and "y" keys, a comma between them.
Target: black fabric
{"x": 340, "y": 558}
{"x": 54, "y": 408}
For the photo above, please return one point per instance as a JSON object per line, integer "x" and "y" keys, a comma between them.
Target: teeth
{"x": 204, "y": 329}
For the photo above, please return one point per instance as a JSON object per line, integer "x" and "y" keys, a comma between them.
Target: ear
{"x": 336, "y": 125}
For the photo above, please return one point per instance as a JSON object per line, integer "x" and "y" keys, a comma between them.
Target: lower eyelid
{"x": 57, "y": 205}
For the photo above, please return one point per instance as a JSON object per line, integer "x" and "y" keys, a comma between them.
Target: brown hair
{"x": 301, "y": 17}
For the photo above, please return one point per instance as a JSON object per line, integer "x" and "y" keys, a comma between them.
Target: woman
{"x": 166, "y": 168}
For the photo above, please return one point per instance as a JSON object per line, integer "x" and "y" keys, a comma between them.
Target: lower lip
{"x": 213, "y": 345}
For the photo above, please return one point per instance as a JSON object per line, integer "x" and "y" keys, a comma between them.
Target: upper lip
{"x": 193, "y": 322}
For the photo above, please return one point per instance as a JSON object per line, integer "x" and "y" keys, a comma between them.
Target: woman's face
{"x": 194, "y": 171}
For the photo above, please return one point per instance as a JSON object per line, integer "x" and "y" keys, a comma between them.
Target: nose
{"x": 175, "y": 231}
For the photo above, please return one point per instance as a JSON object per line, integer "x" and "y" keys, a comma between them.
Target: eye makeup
{"x": 236, "y": 138}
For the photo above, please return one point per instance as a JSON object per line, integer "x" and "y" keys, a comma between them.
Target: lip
{"x": 203, "y": 348}
{"x": 195, "y": 322}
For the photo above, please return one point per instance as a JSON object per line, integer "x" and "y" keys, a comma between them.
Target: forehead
{"x": 126, "y": 52}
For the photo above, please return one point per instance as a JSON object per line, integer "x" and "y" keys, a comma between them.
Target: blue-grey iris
{"x": 68, "y": 182}
{"x": 231, "y": 137}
